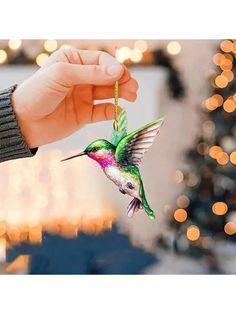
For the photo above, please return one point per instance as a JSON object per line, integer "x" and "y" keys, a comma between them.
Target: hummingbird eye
{"x": 95, "y": 149}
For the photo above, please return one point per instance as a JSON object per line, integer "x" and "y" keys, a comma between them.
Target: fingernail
{"x": 114, "y": 70}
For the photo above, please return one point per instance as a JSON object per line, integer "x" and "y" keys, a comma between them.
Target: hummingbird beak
{"x": 80, "y": 154}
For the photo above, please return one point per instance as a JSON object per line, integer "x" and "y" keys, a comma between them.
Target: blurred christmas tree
{"x": 206, "y": 211}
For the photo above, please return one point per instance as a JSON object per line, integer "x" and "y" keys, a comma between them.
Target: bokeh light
{"x": 14, "y": 44}
{"x": 223, "y": 159}
{"x": 226, "y": 45}
{"x": 233, "y": 157}
{"x": 174, "y": 47}
{"x": 218, "y": 58}
{"x": 229, "y": 75}
{"x": 221, "y": 81}
{"x": 178, "y": 176}
{"x": 193, "y": 233}
{"x": 136, "y": 55}
{"x": 202, "y": 148}
{"x": 141, "y": 45}
{"x": 229, "y": 106}
{"x": 215, "y": 151}
{"x": 180, "y": 215}
{"x": 182, "y": 201}
{"x": 50, "y": 45}
{"x": 122, "y": 54}
{"x": 41, "y": 59}
{"x": 219, "y": 208}
{"x": 230, "y": 228}
{"x": 3, "y": 56}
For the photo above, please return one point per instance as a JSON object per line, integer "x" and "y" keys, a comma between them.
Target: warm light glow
{"x": 174, "y": 47}
{"x": 202, "y": 148}
{"x": 230, "y": 228}
{"x": 223, "y": 158}
{"x": 65, "y": 46}
{"x": 233, "y": 157}
{"x": 219, "y": 99}
{"x": 136, "y": 55}
{"x": 208, "y": 127}
{"x": 234, "y": 47}
{"x": 192, "y": 180}
{"x": 180, "y": 215}
{"x": 141, "y": 45}
{"x": 218, "y": 58}
{"x": 122, "y": 54}
{"x": 50, "y": 45}
{"x": 182, "y": 201}
{"x": 14, "y": 44}
{"x": 229, "y": 105}
{"x": 211, "y": 103}
{"x": 221, "y": 81}
{"x": 178, "y": 176}
{"x": 229, "y": 75}
{"x": 193, "y": 233}
{"x": 41, "y": 59}
{"x": 215, "y": 151}
{"x": 3, "y": 56}
{"x": 220, "y": 208}
{"x": 3, "y": 228}
{"x": 226, "y": 65}
{"x": 226, "y": 45}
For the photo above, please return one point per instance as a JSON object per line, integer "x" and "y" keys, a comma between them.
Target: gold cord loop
{"x": 116, "y": 92}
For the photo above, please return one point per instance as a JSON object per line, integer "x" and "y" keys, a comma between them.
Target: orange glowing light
{"x": 229, "y": 105}
{"x": 219, "y": 99}
{"x": 223, "y": 159}
{"x": 218, "y": 58}
{"x": 221, "y": 81}
{"x": 229, "y": 75}
{"x": 230, "y": 228}
{"x": 226, "y": 45}
{"x": 220, "y": 208}
{"x": 234, "y": 97}
{"x": 180, "y": 215}
{"x": 35, "y": 234}
{"x": 234, "y": 47}
{"x": 211, "y": 103}
{"x": 226, "y": 64}
{"x": 182, "y": 201}
{"x": 233, "y": 157}
{"x": 214, "y": 151}
{"x": 202, "y": 148}
{"x": 178, "y": 176}
{"x": 193, "y": 233}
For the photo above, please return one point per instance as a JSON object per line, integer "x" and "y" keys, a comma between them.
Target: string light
{"x": 3, "y": 56}
{"x": 215, "y": 151}
{"x": 136, "y": 55}
{"x": 141, "y": 45}
{"x": 226, "y": 45}
{"x": 230, "y": 228}
{"x": 182, "y": 201}
{"x": 218, "y": 58}
{"x": 122, "y": 54}
{"x": 229, "y": 106}
{"x": 178, "y": 176}
{"x": 229, "y": 75}
{"x": 41, "y": 59}
{"x": 223, "y": 159}
{"x": 226, "y": 64}
{"x": 50, "y": 45}
{"x": 211, "y": 103}
{"x": 14, "y": 44}
{"x": 220, "y": 208}
{"x": 174, "y": 48}
{"x": 233, "y": 157}
{"x": 193, "y": 233}
{"x": 221, "y": 81}
{"x": 180, "y": 215}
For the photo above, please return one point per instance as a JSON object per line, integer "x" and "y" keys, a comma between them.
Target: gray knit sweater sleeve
{"x": 12, "y": 144}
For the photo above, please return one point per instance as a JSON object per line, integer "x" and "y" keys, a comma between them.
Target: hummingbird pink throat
{"x": 103, "y": 157}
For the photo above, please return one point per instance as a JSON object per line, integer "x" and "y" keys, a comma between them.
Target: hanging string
{"x": 116, "y": 96}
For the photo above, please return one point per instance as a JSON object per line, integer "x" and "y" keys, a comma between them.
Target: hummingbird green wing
{"x": 116, "y": 136}
{"x": 131, "y": 149}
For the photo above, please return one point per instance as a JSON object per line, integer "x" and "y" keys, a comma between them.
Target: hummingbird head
{"x": 101, "y": 151}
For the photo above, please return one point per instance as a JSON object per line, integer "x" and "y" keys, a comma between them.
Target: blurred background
{"x": 69, "y": 219}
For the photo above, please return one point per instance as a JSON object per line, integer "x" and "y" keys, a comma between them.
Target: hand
{"x": 59, "y": 98}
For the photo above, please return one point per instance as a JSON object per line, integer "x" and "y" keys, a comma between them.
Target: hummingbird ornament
{"x": 121, "y": 157}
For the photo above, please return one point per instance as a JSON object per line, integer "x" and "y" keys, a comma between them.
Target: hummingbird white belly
{"x": 125, "y": 181}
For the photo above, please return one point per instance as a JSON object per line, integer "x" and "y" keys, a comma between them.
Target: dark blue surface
{"x": 107, "y": 253}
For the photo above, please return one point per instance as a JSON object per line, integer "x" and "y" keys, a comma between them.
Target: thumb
{"x": 74, "y": 74}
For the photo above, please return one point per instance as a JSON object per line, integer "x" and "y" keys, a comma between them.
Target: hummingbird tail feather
{"x": 145, "y": 204}
{"x": 134, "y": 206}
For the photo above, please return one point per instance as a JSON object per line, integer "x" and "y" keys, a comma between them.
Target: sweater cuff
{"x": 12, "y": 143}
